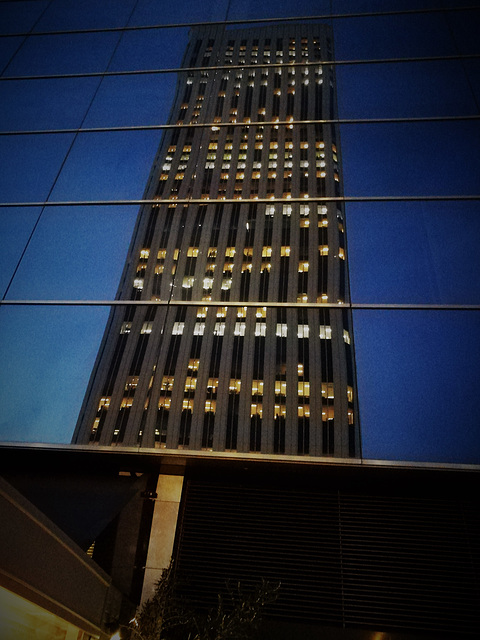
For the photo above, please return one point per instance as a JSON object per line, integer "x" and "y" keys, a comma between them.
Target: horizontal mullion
{"x": 200, "y": 201}
{"x": 222, "y": 303}
{"x": 207, "y": 125}
{"x": 233, "y": 67}
{"x": 325, "y": 16}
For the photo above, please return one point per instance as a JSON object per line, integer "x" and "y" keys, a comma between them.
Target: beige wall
{"x": 162, "y": 536}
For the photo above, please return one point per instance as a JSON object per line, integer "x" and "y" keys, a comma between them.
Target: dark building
{"x": 248, "y": 348}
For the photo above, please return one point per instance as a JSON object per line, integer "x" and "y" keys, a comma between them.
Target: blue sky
{"x": 417, "y": 370}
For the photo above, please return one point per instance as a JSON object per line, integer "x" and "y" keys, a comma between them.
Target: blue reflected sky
{"x": 417, "y": 371}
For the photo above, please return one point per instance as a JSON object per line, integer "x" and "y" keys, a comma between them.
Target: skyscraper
{"x": 237, "y": 340}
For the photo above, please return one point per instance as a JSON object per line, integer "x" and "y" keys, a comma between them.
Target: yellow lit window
{"x": 327, "y": 390}
{"x": 104, "y": 403}
{"x": 341, "y": 254}
{"x": 303, "y": 411}
{"x": 167, "y": 383}
{"x": 323, "y": 250}
{"x": 192, "y": 252}
{"x": 230, "y": 252}
{"x": 350, "y": 394}
{"x": 164, "y": 403}
{"x": 193, "y": 364}
{"x": 187, "y": 404}
{"x": 257, "y": 387}
{"x": 280, "y": 387}
{"x": 300, "y": 369}
{"x": 221, "y": 312}
{"x": 210, "y": 405}
{"x": 303, "y": 266}
{"x": 350, "y": 416}
{"x": 328, "y": 413}
{"x": 284, "y": 251}
{"x": 190, "y": 383}
{"x": 256, "y": 409}
{"x": 235, "y": 385}
{"x": 279, "y": 410}
{"x": 242, "y": 312}
{"x": 126, "y": 402}
{"x": 304, "y": 389}
{"x": 266, "y": 252}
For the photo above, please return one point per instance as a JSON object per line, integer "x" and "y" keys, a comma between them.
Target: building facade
{"x": 234, "y": 337}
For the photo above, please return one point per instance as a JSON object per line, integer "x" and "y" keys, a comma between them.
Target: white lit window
{"x": 346, "y": 336}
{"x": 146, "y": 327}
{"x": 325, "y": 332}
{"x": 270, "y": 210}
{"x": 138, "y": 283}
{"x": 304, "y": 209}
{"x": 178, "y": 328}
{"x": 239, "y": 329}
{"x": 188, "y": 282}
{"x": 260, "y": 328}
{"x": 126, "y": 327}
{"x": 302, "y": 331}
{"x": 219, "y": 329}
{"x": 199, "y": 329}
{"x": 281, "y": 330}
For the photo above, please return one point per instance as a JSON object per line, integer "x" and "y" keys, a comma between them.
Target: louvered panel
{"x": 360, "y": 561}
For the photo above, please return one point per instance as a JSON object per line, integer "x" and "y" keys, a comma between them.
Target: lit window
{"x": 287, "y": 209}
{"x": 210, "y": 405}
{"x": 239, "y": 329}
{"x": 138, "y": 283}
{"x": 341, "y": 254}
{"x": 242, "y": 312}
{"x": 302, "y": 331}
{"x": 280, "y": 388}
{"x": 164, "y": 403}
{"x": 207, "y": 283}
{"x": 187, "y": 404}
{"x": 270, "y": 210}
{"x": 325, "y": 331}
{"x": 257, "y": 387}
{"x": 192, "y": 252}
{"x": 350, "y": 394}
{"x": 284, "y": 251}
{"x": 266, "y": 252}
{"x": 167, "y": 383}
{"x": 323, "y": 250}
{"x": 281, "y": 330}
{"x": 104, "y": 403}
{"x": 202, "y": 312}
{"x": 327, "y": 390}
{"x": 260, "y": 329}
{"x": 188, "y": 282}
{"x": 146, "y": 327}
{"x": 178, "y": 328}
{"x": 199, "y": 329}
{"x": 219, "y": 329}
{"x": 346, "y": 336}
{"x": 226, "y": 284}
{"x": 234, "y": 385}
{"x": 126, "y": 327}
{"x": 144, "y": 253}
{"x": 193, "y": 364}
{"x": 304, "y": 389}
{"x": 303, "y": 266}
